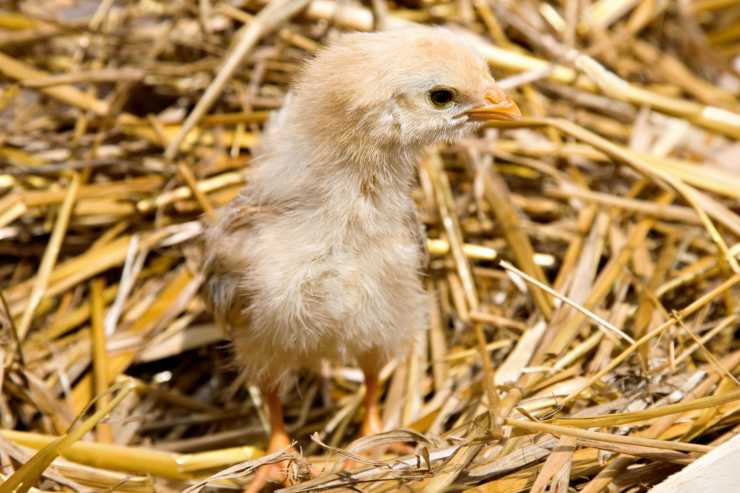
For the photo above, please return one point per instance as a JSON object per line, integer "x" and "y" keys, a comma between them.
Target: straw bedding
{"x": 583, "y": 261}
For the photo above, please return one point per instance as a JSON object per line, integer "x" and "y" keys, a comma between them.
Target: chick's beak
{"x": 500, "y": 107}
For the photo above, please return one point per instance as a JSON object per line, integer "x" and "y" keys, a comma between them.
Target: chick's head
{"x": 410, "y": 87}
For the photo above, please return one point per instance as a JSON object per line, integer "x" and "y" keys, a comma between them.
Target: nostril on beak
{"x": 497, "y": 107}
{"x": 495, "y": 95}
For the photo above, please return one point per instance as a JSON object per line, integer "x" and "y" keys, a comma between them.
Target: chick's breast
{"x": 339, "y": 281}
{"x": 311, "y": 285}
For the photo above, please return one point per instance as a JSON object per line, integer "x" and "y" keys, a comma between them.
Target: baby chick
{"x": 319, "y": 258}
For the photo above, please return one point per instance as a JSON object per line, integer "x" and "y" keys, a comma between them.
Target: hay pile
{"x": 584, "y": 262}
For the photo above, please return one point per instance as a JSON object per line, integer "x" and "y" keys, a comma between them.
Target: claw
{"x": 279, "y": 440}
{"x": 272, "y": 473}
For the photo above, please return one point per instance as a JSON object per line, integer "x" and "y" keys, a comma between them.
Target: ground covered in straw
{"x": 583, "y": 263}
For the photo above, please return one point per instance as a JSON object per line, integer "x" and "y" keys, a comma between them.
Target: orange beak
{"x": 501, "y": 108}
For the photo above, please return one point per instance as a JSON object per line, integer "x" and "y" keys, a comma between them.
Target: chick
{"x": 318, "y": 257}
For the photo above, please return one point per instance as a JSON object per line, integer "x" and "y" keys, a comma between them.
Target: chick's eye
{"x": 441, "y": 97}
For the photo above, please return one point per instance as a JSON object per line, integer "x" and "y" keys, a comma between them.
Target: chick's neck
{"x": 334, "y": 162}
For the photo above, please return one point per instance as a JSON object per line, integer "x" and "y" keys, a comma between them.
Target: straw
{"x": 582, "y": 263}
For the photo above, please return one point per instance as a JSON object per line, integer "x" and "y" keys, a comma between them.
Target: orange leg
{"x": 371, "y": 423}
{"x": 279, "y": 440}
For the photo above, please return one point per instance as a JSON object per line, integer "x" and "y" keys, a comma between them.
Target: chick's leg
{"x": 371, "y": 423}
{"x": 279, "y": 440}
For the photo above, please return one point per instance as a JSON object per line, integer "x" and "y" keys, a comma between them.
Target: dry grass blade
{"x": 606, "y": 437}
{"x": 19, "y": 71}
{"x": 696, "y": 200}
{"x": 266, "y": 21}
{"x": 609, "y": 328}
{"x": 166, "y": 305}
{"x": 50, "y": 257}
{"x": 559, "y": 459}
{"x": 498, "y": 195}
{"x": 140, "y": 459}
{"x": 696, "y": 305}
{"x": 656, "y": 412}
{"x": 433, "y": 168}
{"x": 239, "y": 470}
{"x": 22, "y": 480}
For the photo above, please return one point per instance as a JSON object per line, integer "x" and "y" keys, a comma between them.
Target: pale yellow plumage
{"x": 319, "y": 256}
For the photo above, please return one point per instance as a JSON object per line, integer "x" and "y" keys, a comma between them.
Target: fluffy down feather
{"x": 319, "y": 256}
